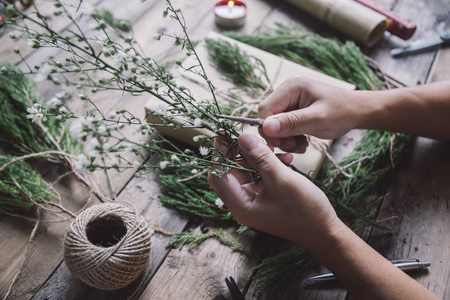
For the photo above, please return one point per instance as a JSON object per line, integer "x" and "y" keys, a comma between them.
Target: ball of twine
{"x": 107, "y": 246}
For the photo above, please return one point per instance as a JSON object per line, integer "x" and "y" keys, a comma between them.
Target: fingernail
{"x": 248, "y": 141}
{"x": 272, "y": 125}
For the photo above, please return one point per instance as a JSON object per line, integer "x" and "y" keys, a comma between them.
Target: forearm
{"x": 421, "y": 110}
{"x": 363, "y": 271}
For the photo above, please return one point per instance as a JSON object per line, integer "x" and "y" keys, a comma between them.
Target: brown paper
{"x": 350, "y": 17}
{"x": 278, "y": 70}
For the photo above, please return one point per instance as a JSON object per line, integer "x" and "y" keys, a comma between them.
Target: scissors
{"x": 234, "y": 289}
{"x": 250, "y": 121}
{"x": 423, "y": 44}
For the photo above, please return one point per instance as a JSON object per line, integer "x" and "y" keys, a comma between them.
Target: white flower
{"x": 112, "y": 162}
{"x": 197, "y": 122}
{"x": 129, "y": 149}
{"x": 42, "y": 73}
{"x": 93, "y": 146}
{"x": 175, "y": 72}
{"x": 148, "y": 82}
{"x": 136, "y": 164}
{"x": 197, "y": 138}
{"x": 126, "y": 75}
{"x": 101, "y": 129}
{"x": 163, "y": 164}
{"x": 219, "y": 203}
{"x": 193, "y": 162}
{"x": 112, "y": 114}
{"x": 161, "y": 109}
{"x": 53, "y": 102}
{"x": 81, "y": 163}
{"x": 76, "y": 129}
{"x": 203, "y": 151}
{"x": 174, "y": 157}
{"x": 35, "y": 113}
{"x": 194, "y": 171}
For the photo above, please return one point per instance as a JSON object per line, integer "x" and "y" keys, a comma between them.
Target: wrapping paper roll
{"x": 353, "y": 19}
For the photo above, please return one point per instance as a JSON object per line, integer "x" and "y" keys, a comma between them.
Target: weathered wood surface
{"x": 418, "y": 194}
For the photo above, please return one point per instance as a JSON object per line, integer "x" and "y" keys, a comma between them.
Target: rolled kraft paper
{"x": 107, "y": 246}
{"x": 351, "y": 18}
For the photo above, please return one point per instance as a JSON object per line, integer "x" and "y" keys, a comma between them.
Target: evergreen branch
{"x": 180, "y": 239}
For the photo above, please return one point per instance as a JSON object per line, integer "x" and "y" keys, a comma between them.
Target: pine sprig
{"x": 21, "y": 186}
{"x": 180, "y": 239}
{"x": 274, "y": 273}
{"x": 246, "y": 71}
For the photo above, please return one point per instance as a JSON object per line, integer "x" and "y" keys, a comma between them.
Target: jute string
{"x": 112, "y": 266}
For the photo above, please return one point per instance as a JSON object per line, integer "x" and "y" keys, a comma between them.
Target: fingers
{"x": 260, "y": 156}
{"x": 292, "y": 123}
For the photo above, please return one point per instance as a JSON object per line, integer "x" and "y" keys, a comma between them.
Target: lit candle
{"x": 230, "y": 14}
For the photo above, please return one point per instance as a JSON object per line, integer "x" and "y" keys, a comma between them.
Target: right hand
{"x": 303, "y": 106}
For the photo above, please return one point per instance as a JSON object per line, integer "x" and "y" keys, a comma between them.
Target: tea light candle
{"x": 230, "y": 14}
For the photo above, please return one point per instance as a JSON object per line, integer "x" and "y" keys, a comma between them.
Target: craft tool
{"x": 234, "y": 289}
{"x": 250, "y": 121}
{"x": 403, "y": 264}
{"x": 423, "y": 44}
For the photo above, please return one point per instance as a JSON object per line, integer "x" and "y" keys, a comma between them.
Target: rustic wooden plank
{"x": 418, "y": 198}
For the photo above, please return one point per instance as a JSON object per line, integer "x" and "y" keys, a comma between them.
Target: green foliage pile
{"x": 19, "y": 136}
{"x": 20, "y": 186}
{"x": 342, "y": 61}
{"x": 245, "y": 71}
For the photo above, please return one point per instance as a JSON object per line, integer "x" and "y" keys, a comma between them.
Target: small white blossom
{"x": 203, "y": 151}
{"x": 175, "y": 72}
{"x": 76, "y": 129}
{"x": 101, "y": 129}
{"x": 194, "y": 171}
{"x": 81, "y": 163}
{"x": 197, "y": 122}
{"x": 219, "y": 203}
{"x": 126, "y": 75}
{"x": 163, "y": 164}
{"x": 174, "y": 157}
{"x": 136, "y": 164}
{"x": 112, "y": 114}
{"x": 129, "y": 149}
{"x": 93, "y": 147}
{"x": 35, "y": 114}
{"x": 148, "y": 82}
{"x": 161, "y": 109}
{"x": 53, "y": 102}
{"x": 42, "y": 73}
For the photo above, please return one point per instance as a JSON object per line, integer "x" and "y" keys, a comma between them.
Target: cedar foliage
{"x": 20, "y": 186}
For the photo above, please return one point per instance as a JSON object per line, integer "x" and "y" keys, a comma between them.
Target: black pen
{"x": 402, "y": 264}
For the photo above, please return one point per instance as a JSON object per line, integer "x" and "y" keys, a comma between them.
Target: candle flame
{"x": 230, "y": 3}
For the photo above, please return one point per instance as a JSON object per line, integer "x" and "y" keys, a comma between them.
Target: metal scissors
{"x": 250, "y": 121}
{"x": 234, "y": 289}
{"x": 423, "y": 44}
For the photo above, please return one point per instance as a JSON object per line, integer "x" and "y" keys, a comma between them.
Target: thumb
{"x": 259, "y": 155}
{"x": 292, "y": 123}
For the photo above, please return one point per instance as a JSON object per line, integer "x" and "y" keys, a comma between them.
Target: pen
{"x": 402, "y": 264}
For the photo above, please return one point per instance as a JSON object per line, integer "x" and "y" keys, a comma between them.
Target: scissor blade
{"x": 417, "y": 46}
{"x": 251, "y": 121}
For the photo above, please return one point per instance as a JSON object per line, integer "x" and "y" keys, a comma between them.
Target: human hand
{"x": 302, "y": 106}
{"x": 284, "y": 203}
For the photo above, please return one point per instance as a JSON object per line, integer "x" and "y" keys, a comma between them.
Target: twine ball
{"x": 107, "y": 246}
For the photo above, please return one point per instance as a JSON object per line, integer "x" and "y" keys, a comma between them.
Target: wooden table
{"x": 417, "y": 204}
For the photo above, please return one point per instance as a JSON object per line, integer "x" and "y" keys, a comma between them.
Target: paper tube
{"x": 353, "y": 19}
